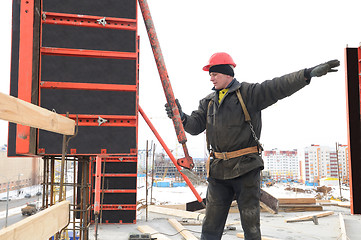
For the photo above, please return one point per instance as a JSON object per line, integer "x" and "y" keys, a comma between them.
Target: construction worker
{"x": 233, "y": 139}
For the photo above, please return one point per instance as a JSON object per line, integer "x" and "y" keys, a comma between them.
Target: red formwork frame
{"x": 93, "y": 22}
{"x": 25, "y": 70}
{"x": 98, "y": 192}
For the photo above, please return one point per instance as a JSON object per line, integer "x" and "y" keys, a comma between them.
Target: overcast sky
{"x": 265, "y": 38}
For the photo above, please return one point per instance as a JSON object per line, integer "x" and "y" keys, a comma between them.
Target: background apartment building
{"x": 282, "y": 165}
{"x": 312, "y": 164}
{"x": 325, "y": 162}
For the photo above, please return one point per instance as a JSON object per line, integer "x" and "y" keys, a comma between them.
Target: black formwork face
{"x": 353, "y": 81}
{"x": 86, "y": 68}
{"x": 89, "y": 70}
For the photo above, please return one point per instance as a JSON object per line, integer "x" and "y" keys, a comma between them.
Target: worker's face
{"x": 220, "y": 80}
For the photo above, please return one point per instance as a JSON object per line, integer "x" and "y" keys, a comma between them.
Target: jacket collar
{"x": 233, "y": 86}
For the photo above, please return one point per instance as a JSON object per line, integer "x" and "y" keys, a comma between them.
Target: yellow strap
{"x": 246, "y": 114}
{"x": 221, "y": 94}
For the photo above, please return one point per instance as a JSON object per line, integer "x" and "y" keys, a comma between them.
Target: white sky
{"x": 265, "y": 38}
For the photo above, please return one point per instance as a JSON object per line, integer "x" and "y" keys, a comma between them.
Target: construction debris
{"x": 309, "y": 217}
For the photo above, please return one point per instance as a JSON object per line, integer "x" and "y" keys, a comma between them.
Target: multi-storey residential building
{"x": 282, "y": 164}
{"x": 343, "y": 163}
{"x": 323, "y": 162}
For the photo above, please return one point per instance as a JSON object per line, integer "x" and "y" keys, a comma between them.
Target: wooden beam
{"x": 152, "y": 232}
{"x": 241, "y": 235}
{"x": 21, "y": 112}
{"x": 182, "y": 230}
{"x": 342, "y": 227}
{"x": 176, "y": 212}
{"x": 309, "y": 217}
{"x": 296, "y": 201}
{"x": 300, "y": 208}
{"x": 268, "y": 209}
{"x": 270, "y": 201}
{"x": 42, "y": 225}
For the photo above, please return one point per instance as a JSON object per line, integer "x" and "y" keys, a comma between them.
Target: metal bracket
{"x": 101, "y": 121}
{"x": 43, "y": 16}
{"x": 102, "y": 21}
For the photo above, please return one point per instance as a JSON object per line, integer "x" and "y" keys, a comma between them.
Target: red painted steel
{"x": 111, "y": 120}
{"x": 119, "y": 207}
{"x": 189, "y": 183}
{"x": 88, "y": 86}
{"x": 89, "y": 21}
{"x": 87, "y": 53}
{"x": 186, "y": 162}
{"x": 97, "y": 189}
{"x": 119, "y": 190}
{"x": 119, "y": 159}
{"x": 25, "y": 69}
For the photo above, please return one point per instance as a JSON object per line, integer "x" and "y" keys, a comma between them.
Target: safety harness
{"x": 228, "y": 155}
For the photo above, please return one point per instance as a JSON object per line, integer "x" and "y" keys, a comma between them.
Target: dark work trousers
{"x": 220, "y": 194}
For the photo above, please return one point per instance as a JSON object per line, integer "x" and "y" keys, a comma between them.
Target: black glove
{"x": 169, "y": 111}
{"x": 322, "y": 69}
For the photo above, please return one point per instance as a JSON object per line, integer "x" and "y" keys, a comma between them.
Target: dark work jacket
{"x": 225, "y": 124}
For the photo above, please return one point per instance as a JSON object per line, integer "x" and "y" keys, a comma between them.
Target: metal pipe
{"x": 170, "y": 154}
{"x": 7, "y": 205}
{"x": 146, "y": 182}
{"x": 187, "y": 161}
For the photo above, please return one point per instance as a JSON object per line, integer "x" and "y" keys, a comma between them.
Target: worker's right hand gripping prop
{"x": 187, "y": 161}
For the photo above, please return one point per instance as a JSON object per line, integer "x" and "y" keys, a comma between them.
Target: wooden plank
{"x": 152, "y": 232}
{"x": 342, "y": 227}
{"x": 300, "y": 208}
{"x": 270, "y": 201}
{"x": 176, "y": 212}
{"x": 241, "y": 235}
{"x": 309, "y": 217}
{"x": 42, "y": 225}
{"x": 21, "y": 112}
{"x": 296, "y": 201}
{"x": 182, "y": 230}
{"x": 268, "y": 209}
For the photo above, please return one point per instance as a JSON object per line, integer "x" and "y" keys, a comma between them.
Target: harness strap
{"x": 246, "y": 114}
{"x": 234, "y": 154}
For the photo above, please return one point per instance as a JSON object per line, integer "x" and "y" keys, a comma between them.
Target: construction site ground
{"x": 273, "y": 226}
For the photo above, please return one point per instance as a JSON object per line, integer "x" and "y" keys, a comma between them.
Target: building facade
{"x": 282, "y": 165}
{"x": 325, "y": 162}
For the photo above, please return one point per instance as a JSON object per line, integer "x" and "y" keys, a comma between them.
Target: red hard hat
{"x": 219, "y": 58}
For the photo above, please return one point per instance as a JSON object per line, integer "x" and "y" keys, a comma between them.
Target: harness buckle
{"x": 224, "y": 155}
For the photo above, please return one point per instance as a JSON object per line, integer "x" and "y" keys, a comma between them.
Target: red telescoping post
{"x": 187, "y": 161}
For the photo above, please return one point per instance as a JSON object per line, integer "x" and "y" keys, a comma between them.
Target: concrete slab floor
{"x": 272, "y": 226}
